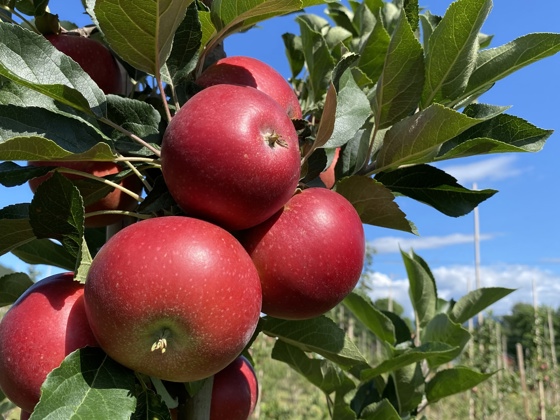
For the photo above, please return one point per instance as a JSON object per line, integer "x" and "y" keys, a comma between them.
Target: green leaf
{"x": 371, "y": 317}
{"x": 496, "y": 63}
{"x": 500, "y": 134}
{"x": 422, "y": 291}
{"x": 476, "y": 301}
{"x": 150, "y": 406}
{"x": 30, "y": 133}
{"x": 452, "y": 49}
{"x": 442, "y": 329}
{"x": 15, "y": 229}
{"x": 88, "y": 384}
{"x": 30, "y": 60}
{"x": 352, "y": 110}
{"x": 374, "y": 51}
{"x": 320, "y": 372}
{"x": 453, "y": 381}
{"x": 294, "y": 53}
{"x": 382, "y": 410}
{"x": 365, "y": 395}
{"x": 374, "y": 203}
{"x": 402, "y": 330}
{"x": 318, "y": 58}
{"x": 141, "y": 35}
{"x": 186, "y": 45}
{"x": 57, "y": 212}
{"x": 45, "y": 251}
{"x": 434, "y": 187}
{"x": 11, "y": 174}
{"x": 400, "y": 84}
{"x": 137, "y": 117}
{"x": 417, "y": 139}
{"x": 409, "y": 387}
{"x": 12, "y": 287}
{"x": 83, "y": 263}
{"x": 408, "y": 357}
{"x": 320, "y": 335}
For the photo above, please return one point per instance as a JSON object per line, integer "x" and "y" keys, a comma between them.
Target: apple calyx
{"x": 275, "y": 139}
{"x": 161, "y": 343}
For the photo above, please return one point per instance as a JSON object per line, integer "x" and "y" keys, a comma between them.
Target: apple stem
{"x": 161, "y": 343}
{"x": 275, "y": 139}
{"x": 139, "y": 175}
{"x": 100, "y": 179}
{"x": 130, "y": 135}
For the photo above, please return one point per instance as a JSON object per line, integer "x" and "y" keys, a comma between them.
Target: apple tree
{"x": 200, "y": 201}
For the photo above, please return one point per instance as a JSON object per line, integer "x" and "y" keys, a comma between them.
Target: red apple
{"x": 234, "y": 391}
{"x": 309, "y": 255}
{"x": 44, "y": 325}
{"x": 231, "y": 156}
{"x": 327, "y": 176}
{"x": 173, "y": 297}
{"x": 115, "y": 200}
{"x": 94, "y": 58}
{"x": 248, "y": 71}
{"x": 24, "y": 415}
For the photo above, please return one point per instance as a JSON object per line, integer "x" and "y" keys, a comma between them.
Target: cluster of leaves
{"x": 395, "y": 90}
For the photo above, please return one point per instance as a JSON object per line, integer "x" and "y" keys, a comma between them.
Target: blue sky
{"x": 519, "y": 235}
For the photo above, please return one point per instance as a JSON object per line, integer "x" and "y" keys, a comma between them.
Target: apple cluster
{"x": 179, "y": 297}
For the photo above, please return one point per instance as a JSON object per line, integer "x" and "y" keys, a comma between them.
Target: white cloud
{"x": 495, "y": 168}
{"x": 391, "y": 244}
{"x": 452, "y": 284}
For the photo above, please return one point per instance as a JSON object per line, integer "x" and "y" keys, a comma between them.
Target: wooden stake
{"x": 523, "y": 378}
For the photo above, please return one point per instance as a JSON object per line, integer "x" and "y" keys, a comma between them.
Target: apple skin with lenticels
{"x": 309, "y": 255}
{"x": 231, "y": 156}
{"x": 42, "y": 327}
{"x": 248, "y": 71}
{"x": 173, "y": 297}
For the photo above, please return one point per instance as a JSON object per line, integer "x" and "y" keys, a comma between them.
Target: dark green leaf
{"x": 30, "y": 60}
{"x": 453, "y": 381}
{"x": 30, "y": 133}
{"x": 417, "y": 139}
{"x": 408, "y": 357}
{"x": 401, "y": 82}
{"x": 371, "y": 317}
{"x": 402, "y": 331}
{"x": 12, "y": 287}
{"x": 365, "y": 395}
{"x": 45, "y": 251}
{"x": 186, "y": 44}
{"x": 422, "y": 291}
{"x": 374, "y": 203}
{"x": 496, "y": 63}
{"x": 11, "y": 174}
{"x": 374, "y": 51}
{"x": 434, "y": 187}
{"x": 150, "y": 407}
{"x": 88, "y": 385}
{"x": 294, "y": 52}
{"x": 15, "y": 229}
{"x": 476, "y": 301}
{"x": 382, "y": 410}
{"x": 442, "y": 329}
{"x": 411, "y": 9}
{"x": 500, "y": 134}
{"x": 355, "y": 155}
{"x": 57, "y": 212}
{"x": 409, "y": 387}
{"x": 452, "y": 49}
{"x": 141, "y": 35}
{"x": 318, "y": 58}
{"x": 320, "y": 335}
{"x": 320, "y": 372}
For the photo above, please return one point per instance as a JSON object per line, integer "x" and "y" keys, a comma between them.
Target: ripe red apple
{"x": 173, "y": 297}
{"x": 248, "y": 71}
{"x": 115, "y": 200}
{"x": 309, "y": 255}
{"x": 44, "y": 325}
{"x": 234, "y": 391}
{"x": 327, "y": 176}
{"x": 94, "y": 58}
{"x": 231, "y": 155}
